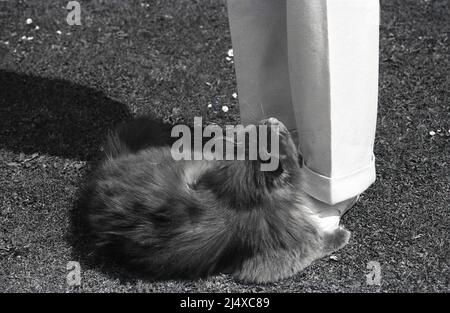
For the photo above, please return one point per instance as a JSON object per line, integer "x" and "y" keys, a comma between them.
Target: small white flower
{"x": 225, "y": 108}
{"x": 30, "y": 38}
{"x": 230, "y": 53}
{"x": 432, "y": 133}
{"x": 234, "y": 95}
{"x": 334, "y": 258}
{"x": 29, "y": 21}
{"x": 24, "y": 38}
{"x": 59, "y": 32}
{"x": 209, "y": 105}
{"x": 228, "y": 58}
{"x": 36, "y": 28}
{"x": 6, "y": 42}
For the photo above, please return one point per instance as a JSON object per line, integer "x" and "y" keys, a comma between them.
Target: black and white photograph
{"x": 240, "y": 147}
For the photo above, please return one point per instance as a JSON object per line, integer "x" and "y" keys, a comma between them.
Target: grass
{"x": 60, "y": 93}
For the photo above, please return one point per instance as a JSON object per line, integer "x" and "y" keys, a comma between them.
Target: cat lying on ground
{"x": 191, "y": 219}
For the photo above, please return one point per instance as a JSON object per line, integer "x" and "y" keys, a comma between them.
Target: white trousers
{"x": 313, "y": 64}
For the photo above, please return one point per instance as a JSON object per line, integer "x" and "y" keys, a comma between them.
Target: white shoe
{"x": 326, "y": 215}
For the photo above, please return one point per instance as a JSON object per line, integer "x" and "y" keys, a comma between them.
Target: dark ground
{"x": 59, "y": 93}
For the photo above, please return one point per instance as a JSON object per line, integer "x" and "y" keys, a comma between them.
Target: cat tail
{"x": 115, "y": 146}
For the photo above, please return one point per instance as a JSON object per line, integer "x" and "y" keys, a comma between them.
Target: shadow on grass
{"x": 60, "y": 118}
{"x": 54, "y": 116}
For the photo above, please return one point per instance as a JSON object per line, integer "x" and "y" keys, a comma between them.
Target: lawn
{"x": 62, "y": 87}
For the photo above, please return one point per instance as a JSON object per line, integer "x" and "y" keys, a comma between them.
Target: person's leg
{"x": 258, "y": 35}
{"x": 333, "y": 66}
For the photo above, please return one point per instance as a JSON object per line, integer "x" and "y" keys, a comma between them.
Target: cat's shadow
{"x": 59, "y": 118}
{"x": 54, "y": 116}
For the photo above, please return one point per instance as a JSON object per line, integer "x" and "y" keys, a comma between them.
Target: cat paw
{"x": 336, "y": 239}
{"x": 272, "y": 121}
{"x": 279, "y": 127}
{"x": 286, "y": 144}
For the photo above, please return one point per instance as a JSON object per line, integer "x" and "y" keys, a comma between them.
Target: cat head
{"x": 249, "y": 182}
{"x": 269, "y": 143}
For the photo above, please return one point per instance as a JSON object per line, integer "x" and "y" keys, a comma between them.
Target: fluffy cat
{"x": 191, "y": 219}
